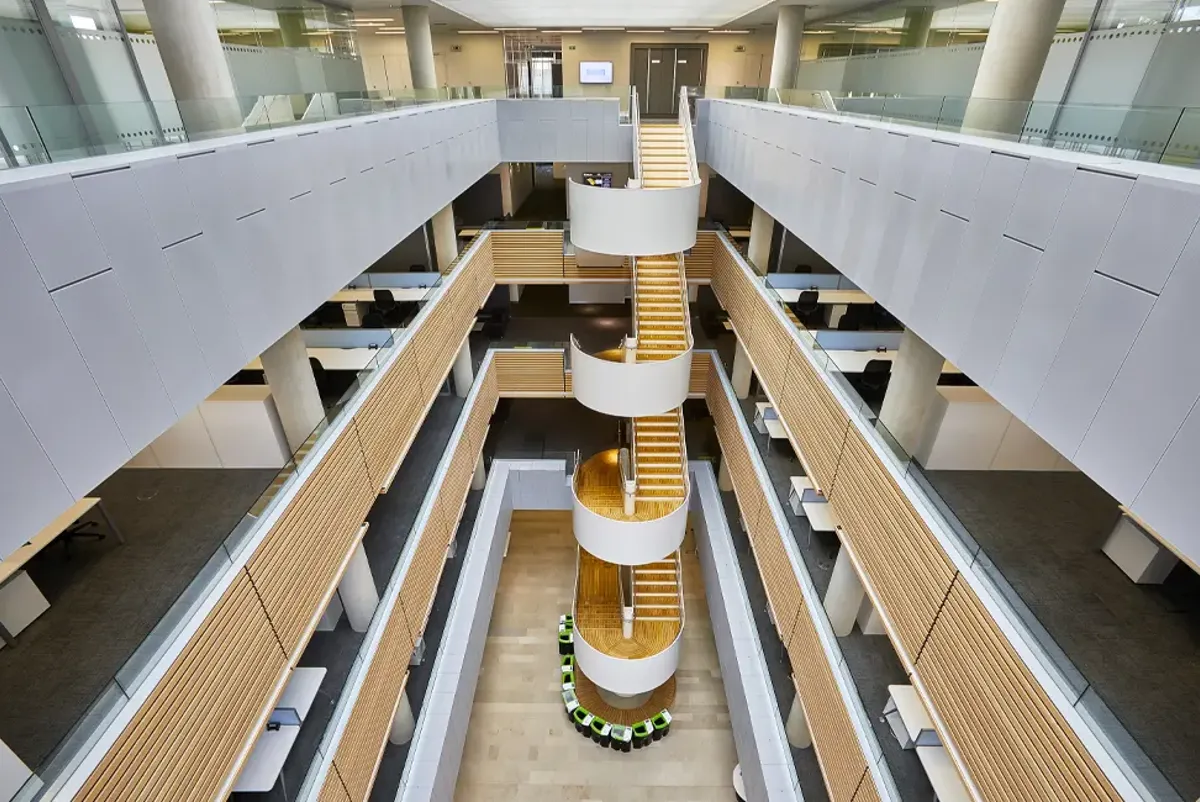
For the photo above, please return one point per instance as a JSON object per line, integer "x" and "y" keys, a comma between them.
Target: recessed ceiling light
{"x": 388, "y": 33}
{"x": 468, "y": 33}
{"x": 729, "y": 31}
{"x": 698, "y": 30}
{"x": 516, "y": 29}
{"x": 360, "y": 24}
{"x": 551, "y": 30}
{"x": 642, "y": 31}
{"x": 390, "y": 29}
{"x": 609, "y": 28}
{"x": 817, "y": 33}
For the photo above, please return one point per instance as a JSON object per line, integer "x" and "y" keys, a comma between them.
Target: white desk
{"x": 796, "y": 494}
{"x": 273, "y": 746}
{"x": 775, "y": 429}
{"x": 820, "y": 516}
{"x": 333, "y": 358}
{"x": 367, "y": 295}
{"x": 939, "y": 768}
{"x": 762, "y": 411}
{"x": 789, "y": 295}
{"x": 856, "y": 361}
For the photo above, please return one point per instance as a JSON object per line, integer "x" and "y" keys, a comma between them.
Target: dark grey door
{"x": 660, "y": 93}
{"x": 689, "y": 70}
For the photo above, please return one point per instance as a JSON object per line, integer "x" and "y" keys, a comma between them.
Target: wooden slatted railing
{"x": 698, "y": 264}
{"x": 698, "y": 378}
{"x": 839, "y": 751}
{"x": 527, "y": 256}
{"x": 531, "y": 373}
{"x": 191, "y": 733}
{"x": 1008, "y": 739}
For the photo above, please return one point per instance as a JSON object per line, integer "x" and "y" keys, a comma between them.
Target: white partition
{"x": 624, "y": 676}
{"x": 629, "y": 542}
{"x": 629, "y": 389}
{"x": 633, "y": 222}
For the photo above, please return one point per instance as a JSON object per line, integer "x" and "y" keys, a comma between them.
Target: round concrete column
{"x": 916, "y": 26}
{"x": 1017, "y": 45}
{"x": 762, "y": 226}
{"x": 911, "y": 389}
{"x": 789, "y": 31}
{"x": 420, "y": 49}
{"x": 186, "y": 34}
{"x": 798, "y": 734}
{"x": 403, "y": 723}
{"x": 445, "y": 238}
{"x": 290, "y": 377}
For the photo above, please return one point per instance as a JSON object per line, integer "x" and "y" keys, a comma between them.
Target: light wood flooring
{"x": 598, "y": 486}
{"x": 661, "y": 699}
{"x": 520, "y": 745}
{"x": 598, "y": 613}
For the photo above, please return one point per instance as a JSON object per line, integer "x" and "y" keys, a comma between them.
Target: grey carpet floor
{"x": 107, "y": 597}
{"x": 1136, "y": 644}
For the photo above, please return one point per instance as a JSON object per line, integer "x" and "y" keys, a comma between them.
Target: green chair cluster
{"x": 613, "y": 736}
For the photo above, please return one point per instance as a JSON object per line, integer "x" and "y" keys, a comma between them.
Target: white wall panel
{"x": 1151, "y": 233}
{"x": 99, "y": 318}
{"x": 1154, "y": 390}
{"x": 929, "y": 296}
{"x": 992, "y": 321}
{"x": 1037, "y": 204}
{"x": 966, "y": 176}
{"x": 119, "y": 213}
{"x": 1168, "y": 501}
{"x": 173, "y": 216}
{"x": 1089, "y": 212}
{"x": 55, "y": 228}
{"x": 1097, "y": 342}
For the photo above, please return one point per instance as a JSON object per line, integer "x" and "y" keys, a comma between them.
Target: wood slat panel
{"x": 906, "y": 566}
{"x": 573, "y": 272}
{"x": 814, "y": 417}
{"x": 867, "y": 792}
{"x": 698, "y": 263}
{"x": 698, "y": 379}
{"x": 771, "y": 348}
{"x": 388, "y": 420}
{"x": 1015, "y": 744}
{"x": 296, "y": 564}
{"x": 527, "y": 257}
{"x": 333, "y": 790}
{"x": 529, "y": 373}
{"x": 833, "y": 733}
{"x": 185, "y": 740}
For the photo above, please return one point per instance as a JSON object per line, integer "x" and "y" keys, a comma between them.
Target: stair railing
{"x": 685, "y": 122}
{"x": 635, "y": 118}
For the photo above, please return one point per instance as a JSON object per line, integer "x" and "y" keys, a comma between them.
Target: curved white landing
{"x": 625, "y": 676}
{"x": 629, "y": 542}
{"x": 629, "y": 389}
{"x": 633, "y": 222}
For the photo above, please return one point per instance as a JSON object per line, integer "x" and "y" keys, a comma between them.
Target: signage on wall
{"x": 595, "y": 72}
{"x": 597, "y": 179}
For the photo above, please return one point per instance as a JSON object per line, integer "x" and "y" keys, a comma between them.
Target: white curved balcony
{"x": 607, "y": 383}
{"x": 625, "y": 676}
{"x": 633, "y": 222}
{"x": 654, "y": 530}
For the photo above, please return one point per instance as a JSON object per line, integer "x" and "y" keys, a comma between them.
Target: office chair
{"x": 418, "y": 269}
{"x": 849, "y": 322}
{"x": 385, "y": 304}
{"x": 807, "y": 307}
{"x": 373, "y": 320}
{"x": 875, "y": 375}
{"x": 78, "y": 531}
{"x": 496, "y": 324}
{"x": 320, "y": 377}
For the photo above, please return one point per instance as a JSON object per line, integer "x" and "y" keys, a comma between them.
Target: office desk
{"x": 939, "y": 768}
{"x": 799, "y": 484}
{"x": 333, "y": 358}
{"x": 775, "y": 430}
{"x": 856, "y": 361}
{"x": 820, "y": 516}
{"x": 401, "y": 294}
{"x": 273, "y": 746}
{"x": 20, "y": 600}
{"x": 762, "y": 411}
{"x": 790, "y": 295}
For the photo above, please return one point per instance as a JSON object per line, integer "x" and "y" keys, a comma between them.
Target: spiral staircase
{"x": 630, "y": 512}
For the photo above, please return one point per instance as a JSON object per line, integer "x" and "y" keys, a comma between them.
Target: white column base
{"x": 1140, "y": 556}
{"x": 693, "y": 293}
{"x": 724, "y": 479}
{"x": 358, "y": 592}
{"x": 798, "y": 734}
{"x": 464, "y": 374}
{"x": 479, "y": 478}
{"x": 869, "y": 621}
{"x": 403, "y": 723}
{"x": 742, "y": 371}
{"x": 844, "y": 596}
{"x": 514, "y": 293}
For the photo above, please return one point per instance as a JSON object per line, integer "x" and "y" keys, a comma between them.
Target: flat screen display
{"x": 598, "y": 179}
{"x": 595, "y": 72}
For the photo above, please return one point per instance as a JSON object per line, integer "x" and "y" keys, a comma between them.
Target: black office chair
{"x": 319, "y": 376}
{"x": 418, "y": 269}
{"x": 373, "y": 320}
{"x": 807, "y": 309}
{"x": 849, "y": 322}
{"x": 875, "y": 375}
{"x": 496, "y": 324}
{"x": 385, "y": 304}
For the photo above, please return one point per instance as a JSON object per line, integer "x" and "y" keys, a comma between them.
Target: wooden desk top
{"x": 16, "y": 561}
{"x": 792, "y": 294}
{"x": 399, "y": 294}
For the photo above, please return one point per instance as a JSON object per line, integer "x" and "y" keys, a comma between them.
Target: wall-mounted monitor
{"x": 597, "y": 179}
{"x": 595, "y": 72}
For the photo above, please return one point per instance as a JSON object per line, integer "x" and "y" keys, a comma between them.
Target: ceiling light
{"x": 729, "y": 31}
{"x": 469, "y": 33}
{"x": 642, "y": 31}
{"x": 365, "y": 20}
{"x": 610, "y": 28}
{"x": 390, "y": 30}
{"x": 516, "y": 29}
{"x": 698, "y": 30}
{"x": 369, "y": 24}
{"x": 817, "y": 33}
{"x": 869, "y": 29}
{"x": 549, "y": 30}
{"x": 388, "y": 33}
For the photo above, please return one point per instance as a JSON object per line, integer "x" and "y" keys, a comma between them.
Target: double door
{"x": 659, "y": 71}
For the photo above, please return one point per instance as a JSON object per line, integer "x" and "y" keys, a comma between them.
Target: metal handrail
{"x": 633, "y": 293}
{"x": 635, "y": 117}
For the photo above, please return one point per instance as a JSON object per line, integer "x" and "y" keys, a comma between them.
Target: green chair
{"x": 642, "y": 732}
{"x": 601, "y": 731}
{"x": 622, "y": 738}
{"x": 570, "y": 701}
{"x": 583, "y": 721}
{"x": 566, "y": 642}
{"x": 568, "y": 680}
{"x": 568, "y": 662}
{"x": 662, "y": 725}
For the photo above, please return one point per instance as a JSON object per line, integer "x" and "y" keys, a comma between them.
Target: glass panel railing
{"x": 1166, "y": 134}
{"x": 862, "y": 397}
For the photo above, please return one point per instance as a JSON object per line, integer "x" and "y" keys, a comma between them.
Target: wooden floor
{"x": 598, "y": 486}
{"x": 598, "y": 615}
{"x": 520, "y": 745}
{"x": 662, "y": 326}
{"x": 661, "y": 699}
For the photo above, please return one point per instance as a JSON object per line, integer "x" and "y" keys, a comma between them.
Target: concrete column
{"x": 911, "y": 390}
{"x": 704, "y": 179}
{"x": 724, "y": 478}
{"x": 762, "y": 226}
{"x": 186, "y": 34}
{"x": 445, "y": 238}
{"x": 869, "y": 620}
{"x": 789, "y": 29}
{"x": 844, "y": 596}
{"x": 916, "y": 26}
{"x": 479, "y": 478}
{"x": 403, "y": 723}
{"x": 506, "y": 193}
{"x": 1016, "y": 49}
{"x": 420, "y": 49}
{"x": 293, "y": 387}
{"x": 797, "y": 725}
{"x": 464, "y": 374}
{"x": 514, "y": 293}
{"x": 741, "y": 371}
{"x": 357, "y": 589}
{"x": 292, "y": 28}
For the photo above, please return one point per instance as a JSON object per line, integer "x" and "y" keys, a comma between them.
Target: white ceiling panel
{"x": 601, "y": 13}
